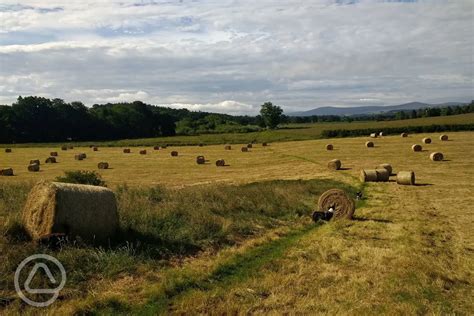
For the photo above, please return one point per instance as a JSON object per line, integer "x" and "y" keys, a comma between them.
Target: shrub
{"x": 82, "y": 177}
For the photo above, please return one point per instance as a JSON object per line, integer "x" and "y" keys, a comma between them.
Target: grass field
{"x": 239, "y": 239}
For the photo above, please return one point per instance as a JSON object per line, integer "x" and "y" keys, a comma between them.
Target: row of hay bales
{"x": 382, "y": 173}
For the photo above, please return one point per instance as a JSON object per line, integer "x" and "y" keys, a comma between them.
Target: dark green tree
{"x": 271, "y": 115}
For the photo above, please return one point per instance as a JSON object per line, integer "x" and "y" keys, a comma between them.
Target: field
{"x": 239, "y": 239}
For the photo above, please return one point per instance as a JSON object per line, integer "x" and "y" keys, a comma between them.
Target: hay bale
{"x": 143, "y": 152}
{"x": 6, "y": 172}
{"x": 436, "y": 156}
{"x": 264, "y": 144}
{"x": 70, "y": 147}
{"x": 156, "y": 147}
{"x": 382, "y": 174}
{"x": 126, "y": 150}
{"x": 8, "y": 150}
{"x": 33, "y": 167}
{"x": 200, "y": 160}
{"x": 386, "y": 166}
{"x": 416, "y": 148}
{"x": 64, "y": 148}
{"x": 369, "y": 144}
{"x": 78, "y": 157}
{"x": 373, "y": 135}
{"x": 103, "y": 165}
{"x": 95, "y": 149}
{"x": 174, "y": 153}
{"x": 334, "y": 164}
{"x": 91, "y": 146}
{"x": 404, "y": 135}
{"x": 164, "y": 147}
{"x": 249, "y": 145}
{"x": 88, "y": 212}
{"x": 83, "y": 155}
{"x": 337, "y": 199}
{"x": 53, "y": 154}
{"x": 228, "y": 147}
{"x": 426, "y": 140}
{"x": 35, "y": 161}
{"x": 329, "y": 147}
{"x": 220, "y": 163}
{"x": 51, "y": 160}
{"x": 406, "y": 178}
{"x": 368, "y": 175}
{"x": 444, "y": 137}
{"x": 244, "y": 149}
{"x": 381, "y": 134}
{"x": 201, "y": 145}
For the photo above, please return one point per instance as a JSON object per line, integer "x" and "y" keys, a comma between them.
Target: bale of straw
{"x": 83, "y": 155}
{"x": 51, "y": 160}
{"x": 6, "y": 172}
{"x": 381, "y": 134}
{"x": 63, "y": 147}
{"x": 249, "y": 145}
{"x": 386, "y": 166}
{"x": 444, "y": 137}
{"x": 103, "y": 165}
{"x": 201, "y": 145}
{"x": 164, "y": 146}
{"x": 406, "y": 178}
{"x": 244, "y": 149}
{"x": 264, "y": 144}
{"x": 373, "y": 135}
{"x": 174, "y": 153}
{"x": 8, "y": 150}
{"x": 88, "y": 212}
{"x": 126, "y": 150}
{"x": 329, "y": 147}
{"x": 200, "y": 160}
{"x": 436, "y": 156}
{"x": 53, "y": 154}
{"x": 35, "y": 161}
{"x": 404, "y": 135}
{"x": 156, "y": 147}
{"x": 78, "y": 157}
{"x": 416, "y": 148}
{"x": 91, "y": 146}
{"x": 228, "y": 147}
{"x": 426, "y": 140}
{"x": 369, "y": 144}
{"x": 33, "y": 167}
{"x": 368, "y": 175}
{"x": 143, "y": 152}
{"x": 220, "y": 163}
{"x": 337, "y": 199}
{"x": 334, "y": 164}
{"x": 95, "y": 149}
{"x": 70, "y": 147}
{"x": 382, "y": 174}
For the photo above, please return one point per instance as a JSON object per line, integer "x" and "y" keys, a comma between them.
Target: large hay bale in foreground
{"x": 220, "y": 163}
{"x": 426, "y": 140}
{"x": 244, "y": 149}
{"x": 406, "y": 177}
{"x": 369, "y": 144}
{"x": 436, "y": 156}
{"x": 50, "y": 160}
{"x": 200, "y": 160}
{"x": 368, "y": 175}
{"x": 103, "y": 165}
{"x": 416, "y": 148}
{"x": 444, "y": 137}
{"x": 382, "y": 174}
{"x": 337, "y": 199}
{"x": 6, "y": 172}
{"x": 386, "y": 166}
{"x": 84, "y": 211}
{"x": 8, "y": 150}
{"x": 329, "y": 147}
{"x": 228, "y": 147}
{"x": 334, "y": 164}
{"x": 174, "y": 153}
{"x": 53, "y": 154}
{"x": 373, "y": 135}
{"x": 127, "y": 151}
{"x": 35, "y": 161}
{"x": 143, "y": 152}
{"x": 33, "y": 167}
{"x": 404, "y": 135}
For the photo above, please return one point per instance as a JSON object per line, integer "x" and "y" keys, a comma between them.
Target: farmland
{"x": 240, "y": 238}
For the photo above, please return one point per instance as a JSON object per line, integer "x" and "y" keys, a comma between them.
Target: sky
{"x": 230, "y": 56}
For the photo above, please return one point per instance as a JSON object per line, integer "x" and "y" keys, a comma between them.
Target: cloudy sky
{"x": 233, "y": 55}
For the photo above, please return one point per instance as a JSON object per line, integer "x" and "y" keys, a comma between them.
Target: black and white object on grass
{"x": 323, "y": 216}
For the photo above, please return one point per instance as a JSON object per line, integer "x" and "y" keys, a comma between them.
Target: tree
{"x": 271, "y": 115}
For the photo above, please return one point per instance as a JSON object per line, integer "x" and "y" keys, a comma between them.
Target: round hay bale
{"x": 201, "y": 145}
{"x": 444, "y": 137}
{"x": 174, "y": 153}
{"x": 244, "y": 149}
{"x": 426, "y": 140}
{"x": 373, "y": 135}
{"x": 143, "y": 152}
{"x": 35, "y": 161}
{"x": 164, "y": 146}
{"x": 368, "y": 175}
{"x": 83, "y": 155}
{"x": 95, "y": 149}
{"x": 53, "y": 154}
{"x": 386, "y": 166}
{"x": 51, "y": 160}
{"x": 337, "y": 199}
{"x": 436, "y": 156}
{"x": 103, "y": 165}
{"x": 334, "y": 164}
{"x": 6, "y": 172}
{"x": 220, "y": 163}
{"x": 91, "y": 146}
{"x": 70, "y": 147}
{"x": 264, "y": 144}
{"x": 382, "y": 174}
{"x": 416, "y": 148}
{"x": 200, "y": 160}
{"x": 8, "y": 150}
{"x": 78, "y": 157}
{"x": 63, "y": 147}
{"x": 33, "y": 167}
{"x": 381, "y": 134}
{"x": 88, "y": 212}
{"x": 228, "y": 147}
{"x": 329, "y": 147}
{"x": 404, "y": 135}
{"x": 127, "y": 151}
{"x": 156, "y": 148}
{"x": 369, "y": 144}
{"x": 406, "y": 178}
{"x": 249, "y": 145}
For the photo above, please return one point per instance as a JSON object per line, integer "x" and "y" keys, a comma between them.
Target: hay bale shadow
{"x": 344, "y": 168}
{"x": 366, "y": 219}
{"x": 423, "y": 184}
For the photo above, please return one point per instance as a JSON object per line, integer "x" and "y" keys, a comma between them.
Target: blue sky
{"x": 232, "y": 55}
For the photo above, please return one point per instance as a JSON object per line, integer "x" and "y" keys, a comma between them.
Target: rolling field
{"x": 409, "y": 250}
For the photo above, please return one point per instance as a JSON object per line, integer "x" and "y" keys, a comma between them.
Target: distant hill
{"x": 361, "y": 110}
